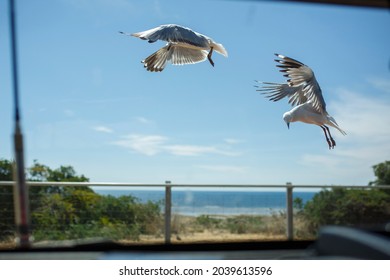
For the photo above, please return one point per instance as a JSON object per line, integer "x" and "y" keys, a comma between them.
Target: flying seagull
{"x": 303, "y": 92}
{"x": 184, "y": 46}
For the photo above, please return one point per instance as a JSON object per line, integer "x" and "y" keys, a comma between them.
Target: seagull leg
{"x": 331, "y": 139}
{"x": 326, "y": 136}
{"x": 209, "y": 56}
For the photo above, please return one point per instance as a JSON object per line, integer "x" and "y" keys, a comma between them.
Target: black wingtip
{"x": 279, "y": 55}
{"x": 280, "y": 61}
{"x": 124, "y": 33}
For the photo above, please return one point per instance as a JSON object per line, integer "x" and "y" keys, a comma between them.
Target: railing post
{"x": 168, "y": 204}
{"x": 289, "y": 211}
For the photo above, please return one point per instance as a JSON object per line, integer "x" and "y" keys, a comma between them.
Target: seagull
{"x": 303, "y": 92}
{"x": 184, "y": 46}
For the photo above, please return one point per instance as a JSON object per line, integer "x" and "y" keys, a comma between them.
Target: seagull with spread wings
{"x": 184, "y": 46}
{"x": 303, "y": 92}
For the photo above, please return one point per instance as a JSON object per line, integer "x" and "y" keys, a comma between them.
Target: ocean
{"x": 211, "y": 202}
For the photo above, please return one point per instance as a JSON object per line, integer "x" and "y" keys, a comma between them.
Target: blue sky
{"x": 88, "y": 102}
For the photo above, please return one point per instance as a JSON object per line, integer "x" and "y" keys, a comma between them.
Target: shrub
{"x": 82, "y": 214}
{"x": 342, "y": 206}
{"x": 208, "y": 222}
{"x": 245, "y": 224}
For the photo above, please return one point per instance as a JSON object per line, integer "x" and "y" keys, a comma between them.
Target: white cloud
{"x": 154, "y": 144}
{"x": 145, "y": 144}
{"x": 366, "y": 119}
{"x": 104, "y": 129}
{"x": 232, "y": 141}
{"x": 143, "y": 120}
{"x": 193, "y": 150}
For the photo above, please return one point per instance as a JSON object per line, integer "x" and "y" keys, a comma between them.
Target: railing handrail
{"x": 168, "y": 197}
{"x": 123, "y": 184}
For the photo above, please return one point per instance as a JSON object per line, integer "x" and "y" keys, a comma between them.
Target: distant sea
{"x": 204, "y": 202}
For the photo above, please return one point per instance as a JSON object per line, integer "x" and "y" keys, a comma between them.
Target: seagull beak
{"x": 288, "y": 125}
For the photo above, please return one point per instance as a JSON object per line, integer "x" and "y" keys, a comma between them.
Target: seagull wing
{"x": 180, "y": 55}
{"x": 176, "y": 54}
{"x": 275, "y": 92}
{"x": 299, "y": 74}
{"x": 157, "y": 61}
{"x": 174, "y": 33}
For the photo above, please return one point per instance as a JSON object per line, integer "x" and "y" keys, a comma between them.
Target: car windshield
{"x": 160, "y": 122}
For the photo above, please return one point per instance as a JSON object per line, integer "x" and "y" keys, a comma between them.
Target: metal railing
{"x": 168, "y": 185}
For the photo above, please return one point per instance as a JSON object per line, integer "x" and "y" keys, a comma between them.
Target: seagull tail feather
{"x": 220, "y": 48}
{"x": 333, "y": 123}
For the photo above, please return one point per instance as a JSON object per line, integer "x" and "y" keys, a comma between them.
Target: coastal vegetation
{"x": 61, "y": 213}
{"x": 351, "y": 207}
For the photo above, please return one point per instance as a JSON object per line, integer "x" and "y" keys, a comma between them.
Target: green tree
{"x": 6, "y": 200}
{"x": 42, "y": 173}
{"x": 6, "y": 171}
{"x": 382, "y": 172}
{"x": 65, "y": 174}
{"x": 75, "y": 212}
{"x": 38, "y": 172}
{"x": 44, "y": 209}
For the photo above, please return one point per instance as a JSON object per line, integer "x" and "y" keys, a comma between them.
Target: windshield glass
{"x": 170, "y": 153}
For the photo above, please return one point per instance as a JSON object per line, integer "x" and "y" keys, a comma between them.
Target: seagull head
{"x": 287, "y": 117}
